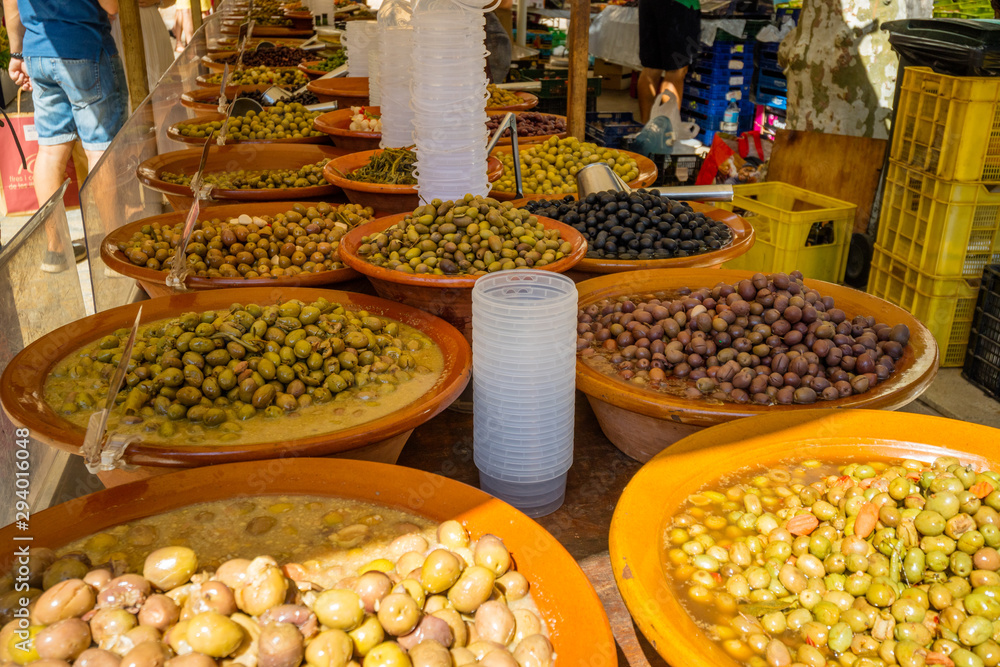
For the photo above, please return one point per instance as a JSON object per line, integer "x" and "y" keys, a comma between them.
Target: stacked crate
{"x": 725, "y": 67}
{"x": 940, "y": 220}
{"x": 770, "y": 91}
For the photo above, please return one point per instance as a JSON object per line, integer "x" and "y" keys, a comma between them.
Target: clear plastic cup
{"x": 534, "y": 498}
{"x": 527, "y": 410}
{"x": 524, "y": 468}
{"x": 538, "y": 322}
{"x": 508, "y": 402}
{"x": 514, "y": 360}
{"x": 521, "y": 382}
{"x": 525, "y": 290}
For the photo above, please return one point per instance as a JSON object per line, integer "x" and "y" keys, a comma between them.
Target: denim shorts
{"x": 78, "y": 98}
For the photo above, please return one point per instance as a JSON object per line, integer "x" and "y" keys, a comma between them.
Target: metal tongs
{"x": 509, "y": 120}
{"x": 600, "y": 177}
{"x": 100, "y": 454}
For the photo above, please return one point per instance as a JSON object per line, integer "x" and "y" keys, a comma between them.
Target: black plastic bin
{"x": 982, "y": 356}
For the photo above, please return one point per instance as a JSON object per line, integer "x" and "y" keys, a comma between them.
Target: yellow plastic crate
{"x": 949, "y": 126}
{"x": 796, "y": 230}
{"x": 945, "y": 305}
{"x": 944, "y": 228}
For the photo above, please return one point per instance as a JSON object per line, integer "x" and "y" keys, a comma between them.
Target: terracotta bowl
{"x": 743, "y": 240}
{"x": 220, "y": 46}
{"x": 211, "y": 61}
{"x": 579, "y": 628}
{"x": 646, "y": 177}
{"x": 237, "y": 156}
{"x": 448, "y": 297}
{"x": 154, "y": 282}
{"x": 301, "y": 19}
{"x": 530, "y": 102}
{"x": 521, "y": 140}
{"x": 385, "y": 198}
{"x": 382, "y": 439}
{"x": 642, "y": 423}
{"x": 202, "y": 80}
{"x": 233, "y": 28}
{"x": 337, "y": 124}
{"x": 206, "y": 100}
{"x": 660, "y": 487}
{"x": 309, "y": 67}
{"x": 348, "y": 91}
{"x": 174, "y": 133}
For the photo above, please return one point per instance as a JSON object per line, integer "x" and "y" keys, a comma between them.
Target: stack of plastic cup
{"x": 448, "y": 99}
{"x": 358, "y": 38}
{"x": 524, "y": 383}
{"x": 395, "y": 46}
{"x": 374, "y": 72}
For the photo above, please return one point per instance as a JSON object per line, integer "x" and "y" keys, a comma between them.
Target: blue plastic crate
{"x": 609, "y": 128}
{"x": 768, "y": 47}
{"x": 771, "y": 98}
{"x": 775, "y": 83}
{"x": 712, "y": 77}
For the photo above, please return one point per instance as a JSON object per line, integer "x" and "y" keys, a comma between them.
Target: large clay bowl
{"x": 448, "y": 297}
{"x": 154, "y": 282}
{"x": 202, "y": 80}
{"x": 385, "y": 198}
{"x": 348, "y": 91}
{"x": 309, "y": 67}
{"x": 530, "y": 102}
{"x": 642, "y": 423}
{"x": 522, "y": 140}
{"x": 233, "y": 28}
{"x": 337, "y": 124}
{"x": 24, "y": 378}
{"x": 174, "y": 133}
{"x": 212, "y": 60}
{"x": 578, "y": 626}
{"x": 646, "y": 177}
{"x": 743, "y": 240}
{"x": 207, "y": 99}
{"x": 222, "y": 45}
{"x": 233, "y": 157}
{"x": 660, "y": 487}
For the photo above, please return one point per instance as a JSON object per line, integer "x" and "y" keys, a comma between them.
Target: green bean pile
{"x": 862, "y": 564}
{"x": 391, "y": 166}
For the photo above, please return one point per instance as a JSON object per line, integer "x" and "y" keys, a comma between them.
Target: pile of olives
{"x": 279, "y": 56}
{"x": 500, "y": 97}
{"x": 433, "y": 605}
{"x": 258, "y": 179}
{"x": 471, "y": 236}
{"x": 551, "y": 166}
{"x": 530, "y": 124}
{"x": 638, "y": 225}
{"x": 333, "y": 62}
{"x": 252, "y": 76}
{"x": 282, "y": 121}
{"x": 767, "y": 340}
{"x": 879, "y": 563}
{"x": 304, "y": 98}
{"x": 219, "y": 368}
{"x": 301, "y": 240}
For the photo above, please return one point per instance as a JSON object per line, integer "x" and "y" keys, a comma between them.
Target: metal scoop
{"x": 241, "y": 105}
{"x": 264, "y": 45}
{"x": 600, "y": 177}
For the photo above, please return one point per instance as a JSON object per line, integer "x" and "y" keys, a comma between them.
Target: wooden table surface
{"x": 599, "y": 474}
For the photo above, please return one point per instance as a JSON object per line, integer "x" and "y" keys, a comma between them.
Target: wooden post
{"x": 135, "y": 52}
{"x": 195, "y": 16}
{"x": 578, "y": 42}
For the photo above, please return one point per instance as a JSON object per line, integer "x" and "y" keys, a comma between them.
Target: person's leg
{"x": 50, "y": 172}
{"x": 673, "y": 80}
{"x": 650, "y": 85}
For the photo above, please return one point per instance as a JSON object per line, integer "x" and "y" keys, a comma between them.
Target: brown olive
{"x": 459, "y": 630}
{"x": 191, "y": 660}
{"x": 371, "y": 587}
{"x": 430, "y": 628}
{"x": 280, "y": 645}
{"x": 211, "y": 596}
{"x": 430, "y": 653}
{"x": 108, "y": 625}
{"x": 233, "y": 573}
{"x": 146, "y": 654}
{"x": 330, "y": 648}
{"x": 128, "y": 591}
{"x": 159, "y": 611}
{"x": 64, "y": 640}
{"x": 67, "y": 599}
{"x": 495, "y": 622}
{"x": 398, "y": 613}
{"x": 97, "y": 657}
{"x": 534, "y": 651}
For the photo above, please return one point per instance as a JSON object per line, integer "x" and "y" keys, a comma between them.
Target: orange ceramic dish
{"x": 577, "y": 624}
{"x": 646, "y": 177}
{"x": 383, "y": 197}
{"x": 348, "y": 91}
{"x": 154, "y": 282}
{"x": 239, "y": 156}
{"x": 530, "y": 102}
{"x": 207, "y": 99}
{"x": 663, "y": 484}
{"x": 448, "y": 297}
{"x": 338, "y": 123}
{"x": 174, "y": 133}
{"x": 641, "y": 422}
{"x": 21, "y": 386}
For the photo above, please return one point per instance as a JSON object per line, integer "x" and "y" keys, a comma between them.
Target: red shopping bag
{"x": 17, "y": 184}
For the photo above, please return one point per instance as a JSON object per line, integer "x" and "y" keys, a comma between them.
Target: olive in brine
{"x": 170, "y": 567}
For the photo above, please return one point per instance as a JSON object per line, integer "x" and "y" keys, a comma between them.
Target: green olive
{"x": 213, "y": 634}
{"x": 169, "y": 567}
{"x": 339, "y": 609}
{"x": 440, "y": 571}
